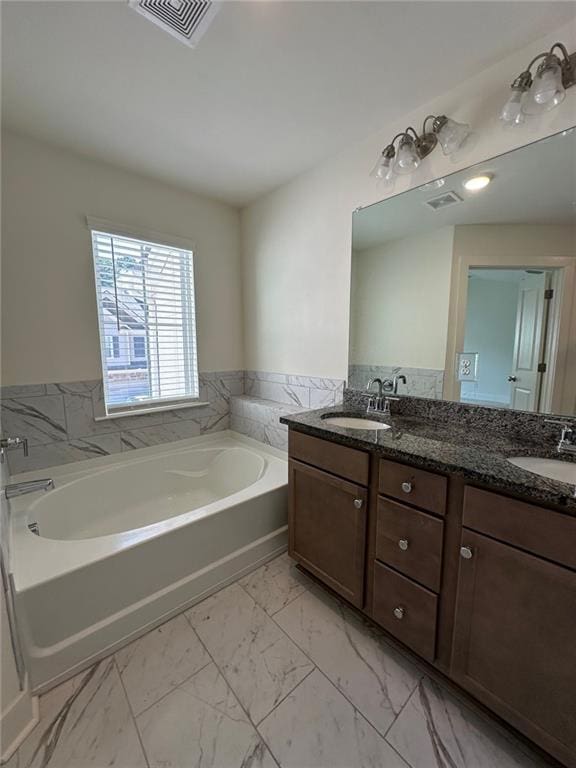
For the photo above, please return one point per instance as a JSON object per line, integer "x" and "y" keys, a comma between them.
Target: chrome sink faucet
{"x": 567, "y": 442}
{"x": 380, "y": 403}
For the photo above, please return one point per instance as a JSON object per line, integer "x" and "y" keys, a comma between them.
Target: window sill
{"x": 143, "y": 411}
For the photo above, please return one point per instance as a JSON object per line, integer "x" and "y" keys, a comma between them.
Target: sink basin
{"x": 353, "y": 423}
{"x": 564, "y": 471}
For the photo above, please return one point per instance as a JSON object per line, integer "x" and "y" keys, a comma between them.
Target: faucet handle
{"x": 567, "y": 422}
{"x": 10, "y": 443}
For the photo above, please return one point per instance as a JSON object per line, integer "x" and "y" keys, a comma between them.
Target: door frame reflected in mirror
{"x": 561, "y": 373}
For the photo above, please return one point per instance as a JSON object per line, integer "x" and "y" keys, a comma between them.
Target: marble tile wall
{"x": 260, "y": 419}
{"x": 58, "y": 420}
{"x": 293, "y": 389}
{"x": 268, "y": 396}
{"x": 420, "y": 382}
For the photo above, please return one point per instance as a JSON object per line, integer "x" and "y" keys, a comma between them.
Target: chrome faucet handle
{"x": 11, "y": 443}
{"x": 387, "y": 400}
{"x": 567, "y": 422}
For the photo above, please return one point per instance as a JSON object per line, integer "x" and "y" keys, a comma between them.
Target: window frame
{"x": 105, "y": 411}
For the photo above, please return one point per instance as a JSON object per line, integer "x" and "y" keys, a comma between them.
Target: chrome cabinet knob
{"x": 399, "y": 612}
{"x": 358, "y": 503}
{"x": 403, "y": 544}
{"x": 407, "y": 487}
{"x": 466, "y": 553}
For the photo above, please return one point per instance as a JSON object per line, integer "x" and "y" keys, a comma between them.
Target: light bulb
{"x": 451, "y": 135}
{"x": 512, "y": 113}
{"x": 407, "y": 159}
{"x": 383, "y": 170}
{"x": 547, "y": 90}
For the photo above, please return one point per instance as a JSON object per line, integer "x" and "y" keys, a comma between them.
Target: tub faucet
{"x": 29, "y": 486}
{"x": 10, "y": 443}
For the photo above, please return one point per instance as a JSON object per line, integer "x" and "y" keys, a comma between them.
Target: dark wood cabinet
{"x": 327, "y": 528}
{"x": 480, "y": 585}
{"x": 515, "y": 639}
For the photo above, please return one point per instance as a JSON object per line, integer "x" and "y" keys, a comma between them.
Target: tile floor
{"x": 269, "y": 672}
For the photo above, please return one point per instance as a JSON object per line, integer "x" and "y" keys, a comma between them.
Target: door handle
{"x": 512, "y": 378}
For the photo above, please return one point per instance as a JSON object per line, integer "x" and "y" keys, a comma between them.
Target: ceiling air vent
{"x": 187, "y": 20}
{"x": 443, "y": 201}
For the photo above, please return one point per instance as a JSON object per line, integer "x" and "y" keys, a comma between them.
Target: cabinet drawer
{"x": 546, "y": 533}
{"x": 410, "y": 541}
{"x": 406, "y": 610}
{"x": 336, "y": 459}
{"x": 414, "y": 486}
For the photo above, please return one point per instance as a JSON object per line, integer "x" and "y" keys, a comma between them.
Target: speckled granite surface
{"x": 474, "y": 449}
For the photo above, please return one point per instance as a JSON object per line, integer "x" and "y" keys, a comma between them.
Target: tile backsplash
{"x": 420, "y": 382}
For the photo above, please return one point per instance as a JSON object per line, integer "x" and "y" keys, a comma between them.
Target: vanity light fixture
{"x": 414, "y": 147}
{"x": 476, "y": 183}
{"x": 541, "y": 93}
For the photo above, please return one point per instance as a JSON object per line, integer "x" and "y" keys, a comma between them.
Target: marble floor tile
{"x": 85, "y": 722}
{"x": 156, "y": 663}
{"x": 275, "y": 584}
{"x": 435, "y": 730}
{"x": 259, "y": 662}
{"x": 12, "y": 762}
{"x": 316, "y": 727}
{"x": 201, "y": 725}
{"x": 352, "y": 653}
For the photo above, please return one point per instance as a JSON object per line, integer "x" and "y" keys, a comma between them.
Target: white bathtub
{"x": 126, "y": 541}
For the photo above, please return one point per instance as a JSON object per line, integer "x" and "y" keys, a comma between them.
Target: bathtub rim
{"x": 31, "y": 562}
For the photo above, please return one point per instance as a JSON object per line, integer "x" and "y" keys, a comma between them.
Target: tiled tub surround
{"x": 58, "y": 420}
{"x": 260, "y": 419}
{"x": 268, "y": 396}
{"x": 271, "y": 672}
{"x": 293, "y": 389}
{"x": 420, "y": 382}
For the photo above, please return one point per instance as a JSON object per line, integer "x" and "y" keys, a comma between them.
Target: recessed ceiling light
{"x": 477, "y": 182}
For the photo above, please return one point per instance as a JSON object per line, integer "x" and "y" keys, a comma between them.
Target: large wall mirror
{"x": 466, "y": 287}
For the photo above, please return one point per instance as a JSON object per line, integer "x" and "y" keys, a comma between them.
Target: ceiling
{"x": 535, "y": 184}
{"x": 272, "y": 89}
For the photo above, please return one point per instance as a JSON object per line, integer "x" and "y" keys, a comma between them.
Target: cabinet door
{"x": 515, "y": 640}
{"x": 327, "y": 529}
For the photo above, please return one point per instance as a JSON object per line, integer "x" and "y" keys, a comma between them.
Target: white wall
{"x": 49, "y": 329}
{"x": 400, "y": 299}
{"x": 297, "y": 240}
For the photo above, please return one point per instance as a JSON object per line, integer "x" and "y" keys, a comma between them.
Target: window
{"x": 139, "y": 346}
{"x": 146, "y": 314}
{"x": 112, "y": 344}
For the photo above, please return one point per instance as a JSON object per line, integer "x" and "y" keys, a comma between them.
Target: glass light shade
{"x": 407, "y": 159}
{"x": 382, "y": 168}
{"x": 547, "y": 90}
{"x": 512, "y": 113}
{"x": 452, "y": 135}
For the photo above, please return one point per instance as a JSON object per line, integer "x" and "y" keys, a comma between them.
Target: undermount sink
{"x": 350, "y": 422}
{"x": 564, "y": 471}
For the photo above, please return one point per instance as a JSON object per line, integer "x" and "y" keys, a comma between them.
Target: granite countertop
{"x": 478, "y": 455}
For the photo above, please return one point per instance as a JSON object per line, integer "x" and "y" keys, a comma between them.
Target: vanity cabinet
{"x": 328, "y": 515}
{"x": 479, "y": 584}
{"x": 514, "y": 644}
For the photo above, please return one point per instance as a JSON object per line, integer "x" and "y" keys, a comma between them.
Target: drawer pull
{"x": 403, "y": 544}
{"x": 358, "y": 503}
{"x": 399, "y": 612}
{"x": 466, "y": 553}
{"x": 407, "y": 487}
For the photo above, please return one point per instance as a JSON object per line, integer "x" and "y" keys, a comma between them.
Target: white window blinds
{"x": 147, "y": 320}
